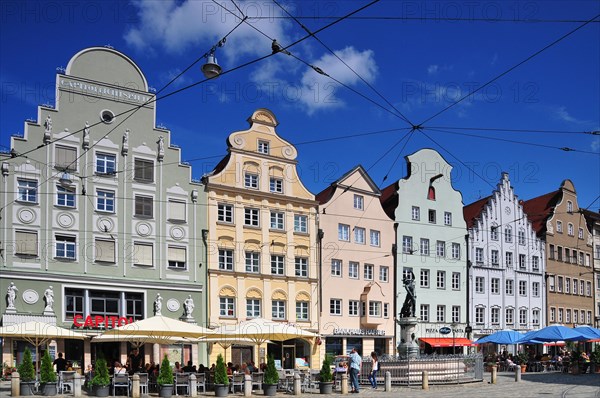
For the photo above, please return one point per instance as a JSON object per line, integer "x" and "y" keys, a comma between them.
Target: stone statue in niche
{"x": 158, "y": 304}
{"x": 11, "y": 296}
{"x": 86, "y": 135}
{"x": 49, "y": 297}
{"x": 125, "y": 147}
{"x": 188, "y": 307}
{"x": 161, "y": 147}
{"x": 48, "y": 129}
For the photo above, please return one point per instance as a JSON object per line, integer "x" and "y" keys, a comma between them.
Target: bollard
{"x": 15, "y": 384}
{"x": 77, "y": 382}
{"x": 388, "y": 381}
{"x": 518, "y": 374}
{"x": 494, "y": 373}
{"x": 247, "y": 386}
{"x": 297, "y": 384}
{"x": 135, "y": 386}
{"x": 344, "y": 383}
{"x": 193, "y": 386}
{"x": 425, "y": 382}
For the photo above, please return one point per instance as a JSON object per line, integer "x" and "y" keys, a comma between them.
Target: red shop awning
{"x": 447, "y": 341}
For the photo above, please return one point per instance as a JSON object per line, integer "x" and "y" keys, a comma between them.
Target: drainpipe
{"x": 468, "y": 329}
{"x": 320, "y": 235}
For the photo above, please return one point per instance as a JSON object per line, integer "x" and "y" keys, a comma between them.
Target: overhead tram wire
{"x": 564, "y": 149}
{"x": 516, "y": 130}
{"x": 509, "y": 70}
{"x": 399, "y": 18}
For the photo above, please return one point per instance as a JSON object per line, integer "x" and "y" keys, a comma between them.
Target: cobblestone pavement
{"x": 532, "y": 385}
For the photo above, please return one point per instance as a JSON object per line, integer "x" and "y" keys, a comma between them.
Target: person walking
{"x": 374, "y": 369}
{"x": 355, "y": 361}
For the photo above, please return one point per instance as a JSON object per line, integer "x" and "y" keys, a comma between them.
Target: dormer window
{"x": 263, "y": 147}
{"x": 569, "y": 207}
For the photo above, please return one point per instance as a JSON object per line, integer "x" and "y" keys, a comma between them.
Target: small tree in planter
{"x": 326, "y": 377}
{"x": 100, "y": 383}
{"x": 595, "y": 359}
{"x": 523, "y": 358}
{"x": 271, "y": 378}
{"x": 221, "y": 379}
{"x": 47, "y": 375}
{"x": 165, "y": 378}
{"x": 27, "y": 373}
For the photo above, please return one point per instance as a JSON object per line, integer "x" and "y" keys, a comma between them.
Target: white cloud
{"x": 560, "y": 113}
{"x": 432, "y": 69}
{"x": 596, "y": 145}
{"x": 494, "y": 59}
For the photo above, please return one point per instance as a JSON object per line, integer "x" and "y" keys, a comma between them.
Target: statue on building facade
{"x": 161, "y": 147}
{"x": 48, "y": 129}
{"x": 410, "y": 303}
{"x": 188, "y": 307}
{"x": 125, "y": 147}
{"x": 158, "y": 304}
{"x": 86, "y": 135}
{"x": 11, "y": 296}
{"x": 49, "y": 297}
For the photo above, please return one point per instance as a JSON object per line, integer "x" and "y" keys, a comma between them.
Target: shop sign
{"x": 359, "y": 332}
{"x": 99, "y": 321}
{"x": 103, "y": 91}
{"x": 445, "y": 330}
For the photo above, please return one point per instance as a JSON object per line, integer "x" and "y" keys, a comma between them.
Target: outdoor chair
{"x": 121, "y": 381}
{"x": 257, "y": 380}
{"x": 201, "y": 382}
{"x": 182, "y": 380}
{"x": 65, "y": 382}
{"x": 237, "y": 381}
{"x": 143, "y": 383}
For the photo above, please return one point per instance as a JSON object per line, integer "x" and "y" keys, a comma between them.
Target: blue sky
{"x": 420, "y": 66}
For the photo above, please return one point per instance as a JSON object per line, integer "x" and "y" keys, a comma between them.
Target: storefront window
{"x": 380, "y": 346}
{"x": 354, "y": 342}
{"x": 74, "y": 303}
{"x": 333, "y": 345}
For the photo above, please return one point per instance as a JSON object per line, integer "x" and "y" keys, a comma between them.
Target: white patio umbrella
{"x": 226, "y": 342}
{"x": 259, "y": 330}
{"x": 159, "y": 326}
{"x": 139, "y": 340}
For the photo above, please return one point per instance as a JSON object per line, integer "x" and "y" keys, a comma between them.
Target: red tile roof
{"x": 539, "y": 209}
{"x": 326, "y": 194}
{"x": 389, "y": 199}
{"x": 473, "y": 211}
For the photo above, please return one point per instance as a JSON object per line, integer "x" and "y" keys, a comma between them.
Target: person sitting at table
{"x": 119, "y": 369}
{"x": 244, "y": 369}
{"x": 69, "y": 366}
{"x": 251, "y": 367}
{"x": 230, "y": 368}
{"x": 177, "y": 368}
{"x": 189, "y": 368}
{"x": 585, "y": 364}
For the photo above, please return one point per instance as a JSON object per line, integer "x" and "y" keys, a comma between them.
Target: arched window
{"x": 431, "y": 193}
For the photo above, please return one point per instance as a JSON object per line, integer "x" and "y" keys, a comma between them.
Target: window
{"x": 581, "y": 259}
{"x": 252, "y": 262}
{"x": 575, "y": 286}
{"x": 375, "y": 308}
{"x": 447, "y": 218}
{"x": 301, "y": 267}
{"x": 431, "y": 193}
{"x": 455, "y": 313}
{"x": 560, "y": 315}
{"x": 441, "y": 279}
{"x": 425, "y": 312}
{"x": 479, "y": 315}
{"x": 225, "y": 213}
{"x": 479, "y": 255}
{"x": 176, "y": 210}
{"x": 73, "y": 303}
{"x": 568, "y": 286}
{"x": 177, "y": 257}
{"x": 300, "y": 223}
{"x": 494, "y": 233}
{"x": 479, "y": 284}
{"x": 570, "y": 229}
{"x": 143, "y": 254}
{"x": 27, "y": 191}
{"x": 495, "y": 258}
{"x": 359, "y": 235}
{"x": 441, "y": 313}
{"x": 589, "y": 318}
{"x": 263, "y": 147}
{"x": 134, "y": 305}
{"x": 278, "y": 309}
{"x": 580, "y": 233}
{"x": 353, "y": 307}
{"x": 431, "y": 216}
{"x": 368, "y": 272}
{"x": 386, "y": 310}
{"x": 559, "y": 252}
{"x": 588, "y": 288}
{"x": 424, "y": 247}
{"x": 225, "y": 260}
{"x": 535, "y": 263}
{"x": 277, "y": 265}
{"x": 510, "y": 287}
{"x": 105, "y": 201}
{"x": 375, "y": 241}
{"x": 551, "y": 252}
{"x": 276, "y": 185}
{"x": 344, "y": 232}
{"x": 424, "y": 278}
{"x": 416, "y": 213}
{"x": 277, "y": 220}
{"x": 581, "y": 287}
{"x": 522, "y": 261}
{"x": 143, "y": 206}
{"x": 251, "y": 180}
{"x": 508, "y": 234}
{"x": 302, "y": 311}
{"x": 65, "y": 196}
{"x": 521, "y": 237}
{"x": 384, "y": 273}
{"x": 552, "y": 314}
{"x": 407, "y": 244}
{"x": 522, "y": 317}
{"x": 522, "y": 288}
{"x": 535, "y": 289}
{"x": 510, "y": 316}
{"x": 335, "y": 306}
{"x": 568, "y": 315}
{"x": 575, "y": 316}
{"x": 456, "y": 281}
{"x": 252, "y": 308}
{"x": 105, "y": 163}
{"x": 559, "y": 227}
{"x": 509, "y": 259}
{"x": 143, "y": 170}
{"x": 65, "y": 247}
{"x": 227, "y": 307}
{"x": 569, "y": 206}
{"x": 105, "y": 250}
{"x": 407, "y": 273}
{"x": 359, "y": 202}
{"x": 336, "y": 267}
{"x": 559, "y": 282}
{"x": 251, "y": 217}
{"x": 66, "y": 158}
{"x": 495, "y": 315}
{"x": 456, "y": 251}
{"x": 440, "y": 248}
{"x": 495, "y": 287}
{"x": 26, "y": 243}
{"x": 353, "y": 270}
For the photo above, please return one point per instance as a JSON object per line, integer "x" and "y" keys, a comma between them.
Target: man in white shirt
{"x": 355, "y": 362}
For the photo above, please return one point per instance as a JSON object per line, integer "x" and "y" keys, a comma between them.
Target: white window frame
{"x": 106, "y": 163}
{"x": 65, "y": 197}
{"x": 301, "y": 267}
{"x": 353, "y": 267}
{"x": 447, "y": 218}
{"x": 384, "y": 272}
{"x": 344, "y": 232}
{"x": 359, "y": 202}
{"x": 225, "y": 213}
{"x": 359, "y": 235}
{"x": 27, "y": 190}
{"x": 278, "y": 310}
{"x": 251, "y": 217}
{"x": 251, "y": 180}
{"x": 335, "y": 306}
{"x": 226, "y": 307}
{"x": 300, "y": 223}
{"x": 276, "y": 185}
{"x": 375, "y": 238}
{"x": 277, "y": 221}
{"x": 252, "y": 262}
{"x": 277, "y": 264}
{"x": 424, "y": 278}
{"x": 253, "y": 307}
{"x": 416, "y": 213}
{"x": 368, "y": 271}
{"x": 225, "y": 260}
{"x": 336, "y": 267}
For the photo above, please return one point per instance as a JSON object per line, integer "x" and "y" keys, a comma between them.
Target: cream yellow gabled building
{"x": 261, "y": 242}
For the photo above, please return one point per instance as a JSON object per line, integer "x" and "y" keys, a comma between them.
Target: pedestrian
{"x": 374, "y": 369}
{"x": 355, "y": 361}
{"x": 60, "y": 362}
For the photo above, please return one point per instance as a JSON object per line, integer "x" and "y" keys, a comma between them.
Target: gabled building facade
{"x": 593, "y": 221}
{"x": 357, "y": 267}
{"x": 101, "y": 222}
{"x": 430, "y": 241}
{"x": 507, "y": 265}
{"x": 557, "y": 219}
{"x": 261, "y": 241}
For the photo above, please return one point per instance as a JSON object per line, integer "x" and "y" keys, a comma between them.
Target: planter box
{"x": 221, "y": 390}
{"x": 270, "y": 390}
{"x": 27, "y": 388}
{"x": 326, "y": 387}
{"x": 101, "y": 391}
{"x": 49, "y": 389}
{"x": 165, "y": 390}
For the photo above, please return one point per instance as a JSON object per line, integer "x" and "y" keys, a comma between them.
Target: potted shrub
{"x": 165, "y": 378}
{"x": 271, "y": 378}
{"x": 326, "y": 377}
{"x": 522, "y": 359}
{"x": 27, "y": 374}
{"x": 595, "y": 359}
{"x": 47, "y": 376}
{"x": 100, "y": 383}
{"x": 575, "y": 365}
{"x": 221, "y": 379}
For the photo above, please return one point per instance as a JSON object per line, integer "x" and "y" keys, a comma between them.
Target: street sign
{"x": 445, "y": 330}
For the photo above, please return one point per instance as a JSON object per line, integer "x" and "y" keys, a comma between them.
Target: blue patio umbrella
{"x": 591, "y": 332}
{"x": 501, "y": 337}
{"x": 553, "y": 333}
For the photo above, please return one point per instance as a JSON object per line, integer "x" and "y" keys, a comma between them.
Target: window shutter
{"x": 177, "y": 254}
{"x": 65, "y": 158}
{"x": 142, "y": 254}
{"x": 105, "y": 251}
{"x": 176, "y": 210}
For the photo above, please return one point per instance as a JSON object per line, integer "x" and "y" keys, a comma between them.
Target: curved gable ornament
{"x": 227, "y": 291}
{"x": 279, "y": 295}
{"x": 263, "y": 116}
{"x": 302, "y": 296}
{"x": 254, "y": 293}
